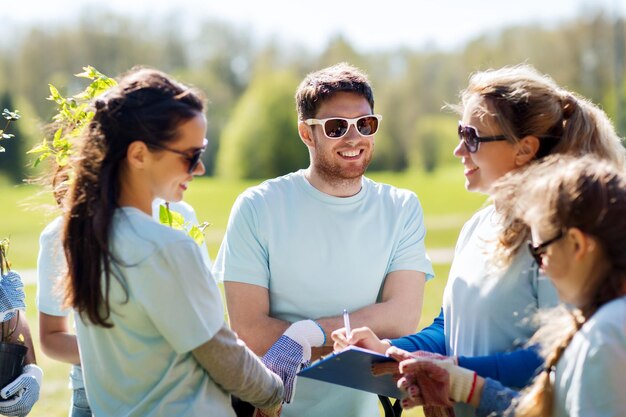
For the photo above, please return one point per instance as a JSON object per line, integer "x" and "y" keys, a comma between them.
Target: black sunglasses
{"x": 469, "y": 135}
{"x": 193, "y": 159}
{"x": 337, "y": 127}
{"x": 537, "y": 251}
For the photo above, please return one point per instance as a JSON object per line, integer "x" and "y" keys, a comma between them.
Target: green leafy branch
{"x": 72, "y": 116}
{"x": 10, "y": 116}
{"x": 176, "y": 221}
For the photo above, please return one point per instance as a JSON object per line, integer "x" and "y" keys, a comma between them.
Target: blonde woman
{"x": 576, "y": 211}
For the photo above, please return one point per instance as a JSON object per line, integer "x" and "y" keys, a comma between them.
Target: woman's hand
{"x": 362, "y": 336}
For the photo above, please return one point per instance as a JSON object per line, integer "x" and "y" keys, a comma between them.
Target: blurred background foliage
{"x": 250, "y": 86}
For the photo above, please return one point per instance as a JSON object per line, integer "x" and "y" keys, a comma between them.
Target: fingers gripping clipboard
{"x": 352, "y": 367}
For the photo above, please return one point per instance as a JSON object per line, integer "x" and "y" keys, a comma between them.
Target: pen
{"x": 346, "y": 322}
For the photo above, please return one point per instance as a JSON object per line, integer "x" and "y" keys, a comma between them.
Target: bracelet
{"x": 322, "y": 329}
{"x": 471, "y": 393}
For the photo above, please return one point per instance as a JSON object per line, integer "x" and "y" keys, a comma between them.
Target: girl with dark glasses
{"x": 511, "y": 117}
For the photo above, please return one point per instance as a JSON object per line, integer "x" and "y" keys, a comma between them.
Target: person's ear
{"x": 137, "y": 154}
{"x": 527, "y": 148}
{"x": 305, "y": 133}
{"x": 581, "y": 243}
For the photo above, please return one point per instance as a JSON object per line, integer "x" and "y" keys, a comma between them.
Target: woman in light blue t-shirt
{"x": 149, "y": 317}
{"x": 57, "y": 337}
{"x": 576, "y": 211}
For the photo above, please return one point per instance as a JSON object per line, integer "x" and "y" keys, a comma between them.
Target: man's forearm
{"x": 384, "y": 319}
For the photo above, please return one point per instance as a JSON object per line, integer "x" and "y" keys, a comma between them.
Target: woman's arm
{"x": 430, "y": 339}
{"x": 514, "y": 369}
{"x": 234, "y": 367}
{"x": 57, "y": 339}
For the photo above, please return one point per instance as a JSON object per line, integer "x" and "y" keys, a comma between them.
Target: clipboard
{"x": 352, "y": 367}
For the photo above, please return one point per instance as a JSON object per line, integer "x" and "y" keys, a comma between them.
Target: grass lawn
{"x": 446, "y": 206}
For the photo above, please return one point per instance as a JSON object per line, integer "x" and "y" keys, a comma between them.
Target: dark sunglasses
{"x": 337, "y": 127}
{"x": 469, "y": 135}
{"x": 193, "y": 159}
{"x": 537, "y": 251}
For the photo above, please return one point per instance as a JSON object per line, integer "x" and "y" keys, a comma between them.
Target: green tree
{"x": 433, "y": 140}
{"x": 261, "y": 138}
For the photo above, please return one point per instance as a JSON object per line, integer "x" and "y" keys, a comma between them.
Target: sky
{"x": 367, "y": 24}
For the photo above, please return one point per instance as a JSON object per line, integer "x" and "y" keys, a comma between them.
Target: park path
{"x": 437, "y": 256}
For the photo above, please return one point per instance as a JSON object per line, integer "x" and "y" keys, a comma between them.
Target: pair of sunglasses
{"x": 337, "y": 127}
{"x": 537, "y": 251}
{"x": 193, "y": 159}
{"x": 469, "y": 135}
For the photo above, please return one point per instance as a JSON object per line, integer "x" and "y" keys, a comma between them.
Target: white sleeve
{"x": 51, "y": 268}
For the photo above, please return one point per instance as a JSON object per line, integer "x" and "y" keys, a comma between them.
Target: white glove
{"x": 19, "y": 396}
{"x": 293, "y": 350}
{"x": 308, "y": 334}
{"x": 462, "y": 380}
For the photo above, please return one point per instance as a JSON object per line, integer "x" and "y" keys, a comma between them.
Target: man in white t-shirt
{"x": 314, "y": 242}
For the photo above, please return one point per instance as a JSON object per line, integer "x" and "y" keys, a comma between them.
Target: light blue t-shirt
{"x": 589, "y": 379}
{"x": 486, "y": 310}
{"x": 591, "y": 375}
{"x": 319, "y": 254}
{"x": 143, "y": 365}
{"x": 51, "y": 267}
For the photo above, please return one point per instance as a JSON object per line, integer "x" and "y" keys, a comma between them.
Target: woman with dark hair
{"x": 150, "y": 320}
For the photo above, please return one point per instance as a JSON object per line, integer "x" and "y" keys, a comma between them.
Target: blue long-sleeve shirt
{"x": 513, "y": 369}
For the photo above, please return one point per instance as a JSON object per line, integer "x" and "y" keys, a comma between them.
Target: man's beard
{"x": 336, "y": 175}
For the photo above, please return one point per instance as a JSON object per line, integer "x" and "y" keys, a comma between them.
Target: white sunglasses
{"x": 337, "y": 127}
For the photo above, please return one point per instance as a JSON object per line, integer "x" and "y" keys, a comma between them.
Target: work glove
{"x": 11, "y": 295}
{"x": 292, "y": 351}
{"x": 18, "y": 397}
{"x": 425, "y": 383}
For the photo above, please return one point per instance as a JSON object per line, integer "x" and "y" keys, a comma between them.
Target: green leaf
{"x": 1, "y": 149}
{"x": 54, "y": 94}
{"x": 196, "y": 234}
{"x": 165, "y": 215}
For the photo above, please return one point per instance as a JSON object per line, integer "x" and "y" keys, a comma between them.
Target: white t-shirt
{"x": 143, "y": 365}
{"x": 488, "y": 311}
{"x": 318, "y": 254}
{"x": 591, "y": 375}
{"x": 51, "y": 266}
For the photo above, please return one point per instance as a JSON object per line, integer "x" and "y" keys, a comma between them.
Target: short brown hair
{"x": 321, "y": 85}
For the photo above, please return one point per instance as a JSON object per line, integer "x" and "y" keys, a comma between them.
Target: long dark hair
{"x": 146, "y": 105}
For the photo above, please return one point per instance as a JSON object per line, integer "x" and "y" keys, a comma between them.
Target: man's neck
{"x": 336, "y": 187}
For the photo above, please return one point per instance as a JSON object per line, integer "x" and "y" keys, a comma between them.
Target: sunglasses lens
{"x": 367, "y": 125}
{"x": 335, "y": 128}
{"x": 468, "y": 135}
{"x": 194, "y": 161}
